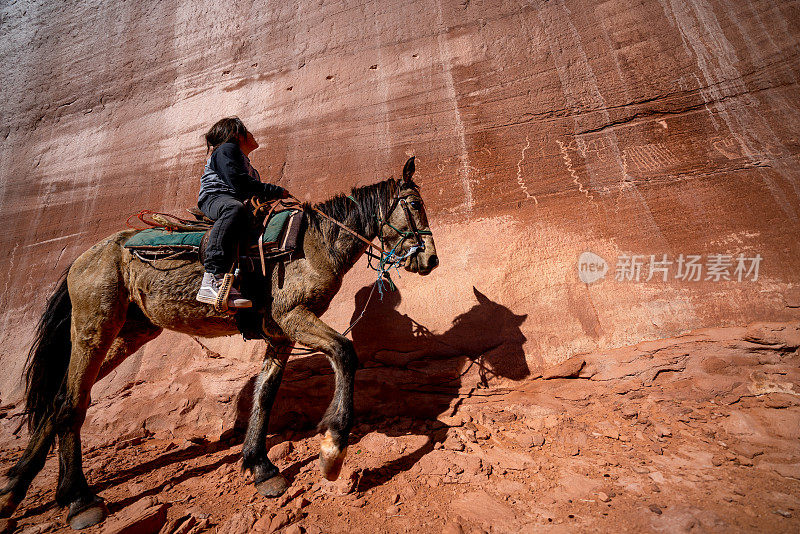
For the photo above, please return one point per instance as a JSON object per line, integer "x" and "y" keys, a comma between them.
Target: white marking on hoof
{"x": 273, "y": 487}
{"x": 91, "y": 516}
{"x": 331, "y": 457}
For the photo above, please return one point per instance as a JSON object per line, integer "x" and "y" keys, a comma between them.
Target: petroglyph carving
{"x": 520, "y": 181}
{"x": 596, "y": 145}
{"x": 648, "y": 158}
{"x": 568, "y": 162}
{"x": 730, "y": 147}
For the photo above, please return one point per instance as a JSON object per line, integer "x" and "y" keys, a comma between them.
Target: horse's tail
{"x": 48, "y": 359}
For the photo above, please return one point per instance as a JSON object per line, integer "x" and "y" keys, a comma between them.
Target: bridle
{"x": 386, "y": 258}
{"x": 391, "y": 258}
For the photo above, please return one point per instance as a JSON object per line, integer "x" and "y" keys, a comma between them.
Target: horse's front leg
{"x": 266, "y": 476}
{"x": 302, "y": 326}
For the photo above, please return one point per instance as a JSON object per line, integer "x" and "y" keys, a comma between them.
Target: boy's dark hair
{"x": 227, "y": 129}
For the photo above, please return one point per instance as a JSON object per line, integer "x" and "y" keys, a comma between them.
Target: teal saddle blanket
{"x": 280, "y": 233}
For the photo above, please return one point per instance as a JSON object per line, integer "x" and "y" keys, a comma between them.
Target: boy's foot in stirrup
{"x": 209, "y": 290}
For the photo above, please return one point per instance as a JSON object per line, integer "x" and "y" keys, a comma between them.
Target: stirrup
{"x": 221, "y": 305}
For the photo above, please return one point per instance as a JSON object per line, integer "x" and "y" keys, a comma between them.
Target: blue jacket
{"x": 228, "y": 171}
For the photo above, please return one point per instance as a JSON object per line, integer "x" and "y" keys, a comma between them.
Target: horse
{"x": 109, "y": 304}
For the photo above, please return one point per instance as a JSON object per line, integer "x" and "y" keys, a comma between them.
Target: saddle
{"x": 274, "y": 229}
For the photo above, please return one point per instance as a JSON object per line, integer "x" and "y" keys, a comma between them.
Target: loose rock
{"x": 238, "y": 523}
{"x": 663, "y": 432}
{"x": 280, "y": 451}
{"x": 452, "y": 528}
{"x": 264, "y": 524}
{"x": 280, "y": 520}
{"x": 142, "y": 517}
{"x": 568, "y": 369}
{"x": 748, "y": 450}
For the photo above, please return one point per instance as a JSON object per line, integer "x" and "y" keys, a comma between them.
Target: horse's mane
{"x": 370, "y": 201}
{"x": 362, "y": 216}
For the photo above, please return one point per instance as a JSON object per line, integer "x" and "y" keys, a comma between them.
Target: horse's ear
{"x": 408, "y": 170}
{"x": 482, "y": 299}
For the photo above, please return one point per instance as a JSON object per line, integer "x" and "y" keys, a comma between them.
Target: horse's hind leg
{"x": 85, "y": 508}
{"x": 306, "y": 328}
{"x": 136, "y": 331}
{"x": 90, "y": 342}
{"x": 267, "y": 478}
{"x": 72, "y": 341}
{"x": 93, "y": 334}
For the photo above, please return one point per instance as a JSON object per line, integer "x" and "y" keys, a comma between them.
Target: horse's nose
{"x": 433, "y": 261}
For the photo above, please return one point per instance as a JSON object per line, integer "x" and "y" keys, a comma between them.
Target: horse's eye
{"x": 416, "y": 204}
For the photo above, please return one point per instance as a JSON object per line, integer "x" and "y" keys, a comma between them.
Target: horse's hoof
{"x": 330, "y": 457}
{"x": 8, "y": 504}
{"x": 87, "y": 515}
{"x": 273, "y": 487}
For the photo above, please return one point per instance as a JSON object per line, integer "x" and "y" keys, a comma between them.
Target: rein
{"x": 343, "y": 227}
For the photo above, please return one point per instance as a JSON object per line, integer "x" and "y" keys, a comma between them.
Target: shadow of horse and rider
{"x": 484, "y": 343}
{"x": 406, "y": 371}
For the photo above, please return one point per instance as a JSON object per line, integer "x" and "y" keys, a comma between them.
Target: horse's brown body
{"x": 118, "y": 303}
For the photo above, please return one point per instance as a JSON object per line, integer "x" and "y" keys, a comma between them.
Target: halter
{"x": 390, "y": 259}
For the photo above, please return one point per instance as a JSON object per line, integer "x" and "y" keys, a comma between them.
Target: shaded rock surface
{"x": 146, "y": 516}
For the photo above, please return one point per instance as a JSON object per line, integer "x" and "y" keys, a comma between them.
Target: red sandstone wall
{"x": 542, "y": 130}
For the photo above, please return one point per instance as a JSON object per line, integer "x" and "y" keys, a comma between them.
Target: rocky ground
{"x": 693, "y": 433}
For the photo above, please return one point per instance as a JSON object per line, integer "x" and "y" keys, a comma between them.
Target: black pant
{"x": 230, "y": 229}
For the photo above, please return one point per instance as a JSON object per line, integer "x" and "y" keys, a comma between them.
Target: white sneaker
{"x": 209, "y": 291}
